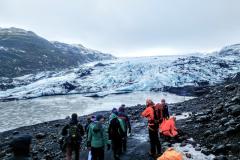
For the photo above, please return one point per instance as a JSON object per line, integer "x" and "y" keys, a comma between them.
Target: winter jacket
{"x": 149, "y": 114}
{"x": 80, "y": 131}
{"x": 168, "y": 127}
{"x": 115, "y": 130}
{"x": 163, "y": 109}
{"x": 123, "y": 116}
{"x": 97, "y": 135}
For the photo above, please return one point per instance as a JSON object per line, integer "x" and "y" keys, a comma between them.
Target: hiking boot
{"x": 151, "y": 154}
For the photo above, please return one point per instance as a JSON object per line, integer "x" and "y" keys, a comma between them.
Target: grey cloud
{"x": 128, "y": 26}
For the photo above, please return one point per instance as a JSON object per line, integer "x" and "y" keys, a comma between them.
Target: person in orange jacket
{"x": 153, "y": 125}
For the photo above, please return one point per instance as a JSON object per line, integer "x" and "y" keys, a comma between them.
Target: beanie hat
{"x": 99, "y": 117}
{"x": 115, "y": 111}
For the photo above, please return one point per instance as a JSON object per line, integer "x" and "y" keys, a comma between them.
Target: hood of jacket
{"x": 97, "y": 126}
{"x": 112, "y": 116}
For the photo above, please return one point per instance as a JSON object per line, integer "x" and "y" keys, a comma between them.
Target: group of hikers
{"x": 100, "y": 136}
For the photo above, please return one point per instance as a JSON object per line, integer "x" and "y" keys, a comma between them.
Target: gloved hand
{"x": 108, "y": 147}
{"x": 88, "y": 144}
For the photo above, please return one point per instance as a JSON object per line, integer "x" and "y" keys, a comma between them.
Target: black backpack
{"x": 74, "y": 133}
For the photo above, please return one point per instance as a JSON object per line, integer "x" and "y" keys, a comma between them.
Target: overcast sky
{"x": 130, "y": 27}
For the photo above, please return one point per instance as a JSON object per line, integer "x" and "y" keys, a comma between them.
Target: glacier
{"x": 124, "y": 75}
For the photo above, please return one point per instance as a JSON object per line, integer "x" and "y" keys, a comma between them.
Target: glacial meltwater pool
{"x": 20, "y": 113}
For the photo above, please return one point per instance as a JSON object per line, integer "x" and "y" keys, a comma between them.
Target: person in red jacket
{"x": 153, "y": 125}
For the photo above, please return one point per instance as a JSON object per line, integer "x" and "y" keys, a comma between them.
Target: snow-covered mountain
{"x": 232, "y": 50}
{"x": 23, "y": 52}
{"x": 126, "y": 75}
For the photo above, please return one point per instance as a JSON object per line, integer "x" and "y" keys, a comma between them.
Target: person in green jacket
{"x": 97, "y": 138}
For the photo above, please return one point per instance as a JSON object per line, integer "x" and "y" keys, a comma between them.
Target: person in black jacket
{"x": 127, "y": 126}
{"x": 115, "y": 133}
{"x": 20, "y": 147}
{"x": 73, "y": 133}
{"x": 164, "y": 109}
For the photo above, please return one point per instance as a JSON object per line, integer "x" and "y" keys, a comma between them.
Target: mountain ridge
{"x": 24, "y": 52}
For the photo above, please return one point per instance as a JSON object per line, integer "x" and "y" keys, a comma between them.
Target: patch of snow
{"x": 3, "y": 48}
{"x": 184, "y": 115}
{"x": 196, "y": 155}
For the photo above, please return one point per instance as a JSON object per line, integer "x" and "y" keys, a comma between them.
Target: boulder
{"x": 15, "y": 133}
{"x": 197, "y": 148}
{"x": 219, "y": 149}
{"x": 205, "y": 151}
{"x": 207, "y": 133}
{"x": 234, "y": 110}
{"x": 230, "y": 87}
{"x": 230, "y": 130}
{"x": 221, "y": 157}
{"x": 234, "y": 148}
{"x": 236, "y": 99}
{"x": 68, "y": 86}
{"x": 40, "y": 135}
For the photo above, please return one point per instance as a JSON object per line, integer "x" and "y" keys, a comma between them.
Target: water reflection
{"x": 27, "y": 112}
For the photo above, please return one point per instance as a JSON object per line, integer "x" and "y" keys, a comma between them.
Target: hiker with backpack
{"x": 163, "y": 109}
{"x": 153, "y": 124}
{"x": 116, "y": 133}
{"x": 73, "y": 133}
{"x": 97, "y": 138}
{"x": 125, "y": 123}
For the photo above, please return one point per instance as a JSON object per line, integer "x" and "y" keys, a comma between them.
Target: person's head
{"x": 21, "y": 145}
{"x": 122, "y": 108}
{"x": 93, "y": 118}
{"x": 149, "y": 102}
{"x": 89, "y": 119}
{"x": 115, "y": 111}
{"x": 163, "y": 101}
{"x": 74, "y": 118}
{"x": 100, "y": 118}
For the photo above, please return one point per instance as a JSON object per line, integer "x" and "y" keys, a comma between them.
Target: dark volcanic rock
{"x": 40, "y": 135}
{"x": 68, "y": 86}
{"x": 234, "y": 110}
{"x": 216, "y": 123}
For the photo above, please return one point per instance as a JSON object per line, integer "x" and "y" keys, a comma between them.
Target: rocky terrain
{"x": 24, "y": 52}
{"x": 213, "y": 124}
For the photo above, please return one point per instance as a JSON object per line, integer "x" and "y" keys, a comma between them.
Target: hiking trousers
{"x": 70, "y": 149}
{"x": 116, "y": 148}
{"x": 97, "y": 153}
{"x": 155, "y": 146}
{"x": 124, "y": 144}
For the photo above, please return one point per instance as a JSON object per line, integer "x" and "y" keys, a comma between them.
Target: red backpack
{"x": 158, "y": 112}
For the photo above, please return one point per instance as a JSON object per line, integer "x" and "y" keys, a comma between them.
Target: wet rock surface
{"x": 215, "y": 122}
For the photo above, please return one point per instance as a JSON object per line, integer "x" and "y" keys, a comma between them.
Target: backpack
{"x": 115, "y": 129}
{"x": 168, "y": 127}
{"x": 123, "y": 124}
{"x": 158, "y": 113}
{"x": 74, "y": 133}
{"x": 157, "y": 116}
{"x": 171, "y": 154}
